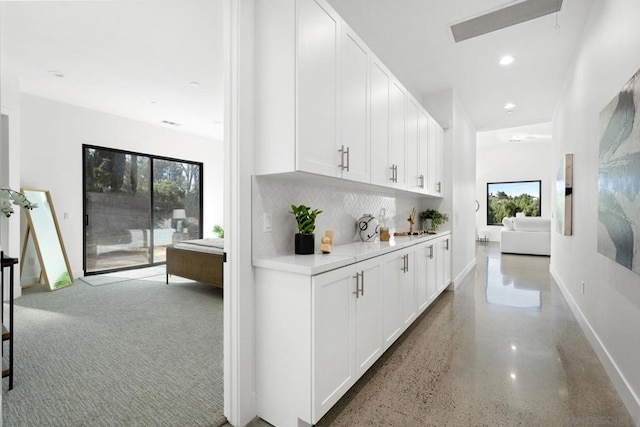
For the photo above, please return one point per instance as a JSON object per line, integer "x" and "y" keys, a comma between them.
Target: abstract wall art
{"x": 564, "y": 196}
{"x": 619, "y": 177}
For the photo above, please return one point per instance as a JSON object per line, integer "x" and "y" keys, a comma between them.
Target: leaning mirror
{"x": 42, "y": 228}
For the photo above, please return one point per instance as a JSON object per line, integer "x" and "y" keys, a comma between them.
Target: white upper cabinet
{"x": 354, "y": 151}
{"x": 415, "y": 182}
{"x": 324, "y": 104}
{"x": 381, "y": 172}
{"x": 432, "y": 158}
{"x": 317, "y": 57}
{"x": 423, "y": 151}
{"x": 440, "y": 160}
{"x": 397, "y": 134}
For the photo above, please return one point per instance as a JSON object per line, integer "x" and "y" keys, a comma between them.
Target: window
{"x": 135, "y": 205}
{"x": 505, "y": 199}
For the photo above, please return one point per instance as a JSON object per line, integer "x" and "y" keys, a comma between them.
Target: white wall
{"x": 499, "y": 160}
{"x": 463, "y": 179}
{"x": 609, "y": 307}
{"x": 51, "y": 142}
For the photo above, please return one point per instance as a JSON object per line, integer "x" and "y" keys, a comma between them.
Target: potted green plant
{"x": 306, "y": 219}
{"x": 432, "y": 219}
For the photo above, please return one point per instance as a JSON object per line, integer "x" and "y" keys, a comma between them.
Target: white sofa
{"x": 526, "y": 235}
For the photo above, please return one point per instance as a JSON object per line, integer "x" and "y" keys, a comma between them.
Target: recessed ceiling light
{"x": 56, "y": 73}
{"x": 509, "y": 106}
{"x": 169, "y": 122}
{"x": 194, "y": 84}
{"x": 506, "y": 60}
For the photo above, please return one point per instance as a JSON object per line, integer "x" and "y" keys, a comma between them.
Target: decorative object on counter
{"x": 368, "y": 227}
{"x": 385, "y": 236}
{"x": 326, "y": 242}
{"x": 432, "y": 219}
{"x": 306, "y": 219}
{"x": 412, "y": 220}
{"x": 400, "y": 234}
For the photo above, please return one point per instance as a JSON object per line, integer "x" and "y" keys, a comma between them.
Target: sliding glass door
{"x": 135, "y": 205}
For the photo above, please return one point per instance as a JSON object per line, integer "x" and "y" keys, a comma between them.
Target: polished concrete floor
{"x": 504, "y": 349}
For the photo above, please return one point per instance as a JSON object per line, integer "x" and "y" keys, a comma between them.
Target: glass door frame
{"x": 151, "y": 157}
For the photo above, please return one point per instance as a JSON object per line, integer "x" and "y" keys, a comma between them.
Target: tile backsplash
{"x": 342, "y": 203}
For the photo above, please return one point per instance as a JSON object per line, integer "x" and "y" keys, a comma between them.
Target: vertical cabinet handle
{"x": 431, "y": 252}
{"x": 393, "y": 173}
{"x": 439, "y": 187}
{"x": 421, "y": 181}
{"x": 359, "y": 284}
{"x": 446, "y": 244}
{"x": 348, "y": 159}
{"x": 405, "y": 263}
{"x": 396, "y": 173}
{"x": 341, "y": 151}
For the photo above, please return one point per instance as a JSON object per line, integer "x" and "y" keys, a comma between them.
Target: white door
{"x": 317, "y": 67}
{"x": 423, "y": 150}
{"x": 394, "y": 270}
{"x": 412, "y": 152}
{"x": 380, "y": 85}
{"x": 432, "y": 155}
{"x": 408, "y": 313}
{"x": 422, "y": 291}
{"x": 397, "y": 132}
{"x": 447, "y": 261}
{"x": 355, "y": 155}
{"x": 432, "y": 288}
{"x": 440, "y": 159}
{"x": 368, "y": 316}
{"x": 440, "y": 256}
{"x": 331, "y": 337}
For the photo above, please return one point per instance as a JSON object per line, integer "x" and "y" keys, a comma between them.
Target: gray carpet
{"x": 134, "y": 353}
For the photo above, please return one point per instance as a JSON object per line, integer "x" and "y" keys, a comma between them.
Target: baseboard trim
{"x": 630, "y": 399}
{"x": 460, "y": 277}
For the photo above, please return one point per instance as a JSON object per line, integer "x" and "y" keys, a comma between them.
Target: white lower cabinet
{"x": 331, "y": 332}
{"x": 316, "y": 335}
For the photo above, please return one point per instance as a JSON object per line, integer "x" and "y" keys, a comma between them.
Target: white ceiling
{"x": 137, "y": 58}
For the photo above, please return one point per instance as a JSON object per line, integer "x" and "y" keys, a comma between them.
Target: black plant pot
{"x": 305, "y": 244}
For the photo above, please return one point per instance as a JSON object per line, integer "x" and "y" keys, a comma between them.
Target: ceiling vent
{"x": 503, "y": 18}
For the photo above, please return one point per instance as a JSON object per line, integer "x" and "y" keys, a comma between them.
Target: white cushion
{"x": 508, "y": 223}
{"x": 530, "y": 223}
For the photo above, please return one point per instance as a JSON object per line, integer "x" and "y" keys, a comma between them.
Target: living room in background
{"x": 133, "y": 206}
{"x": 506, "y": 199}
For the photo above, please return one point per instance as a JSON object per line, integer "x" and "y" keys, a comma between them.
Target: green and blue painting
{"x": 619, "y": 178}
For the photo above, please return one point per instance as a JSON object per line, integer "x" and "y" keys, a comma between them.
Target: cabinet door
{"x": 394, "y": 270}
{"x": 397, "y": 132}
{"x": 432, "y": 288}
{"x": 440, "y": 265}
{"x": 318, "y": 37}
{"x": 408, "y": 285}
{"x": 414, "y": 181}
{"x": 380, "y": 101}
{"x": 354, "y": 97}
{"x": 432, "y": 147}
{"x": 422, "y": 291}
{"x": 440, "y": 159}
{"x": 368, "y": 318}
{"x": 447, "y": 261}
{"x": 331, "y": 333}
{"x": 423, "y": 150}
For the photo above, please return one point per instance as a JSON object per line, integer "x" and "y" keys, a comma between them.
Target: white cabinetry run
{"x": 318, "y": 330}
{"x": 326, "y": 105}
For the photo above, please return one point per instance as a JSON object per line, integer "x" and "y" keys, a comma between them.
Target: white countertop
{"x": 341, "y": 255}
